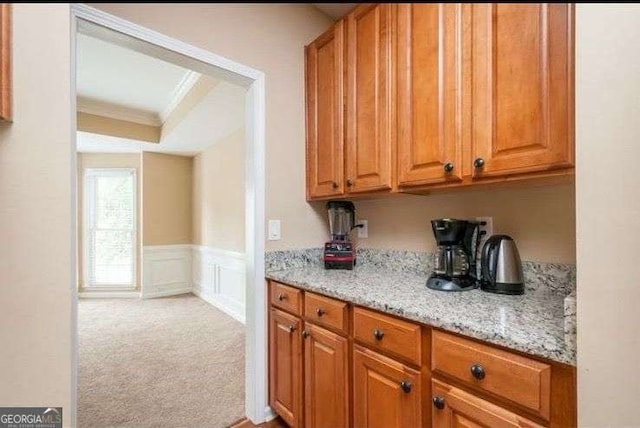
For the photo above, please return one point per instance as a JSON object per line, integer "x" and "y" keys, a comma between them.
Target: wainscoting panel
{"x": 166, "y": 270}
{"x": 219, "y": 278}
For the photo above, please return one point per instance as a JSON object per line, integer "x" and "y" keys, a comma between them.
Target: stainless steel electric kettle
{"x": 501, "y": 267}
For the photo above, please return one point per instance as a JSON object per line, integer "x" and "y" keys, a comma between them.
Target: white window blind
{"x": 110, "y": 227}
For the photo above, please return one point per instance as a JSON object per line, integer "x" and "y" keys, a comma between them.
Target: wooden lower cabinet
{"x": 285, "y": 367}
{"x": 454, "y": 408}
{"x": 326, "y": 371}
{"x": 386, "y": 393}
{"x": 326, "y": 378}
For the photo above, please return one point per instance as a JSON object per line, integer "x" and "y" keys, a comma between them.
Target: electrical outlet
{"x": 274, "y": 230}
{"x": 363, "y": 230}
{"x": 487, "y": 228}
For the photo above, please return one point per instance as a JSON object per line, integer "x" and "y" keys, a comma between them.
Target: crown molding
{"x": 179, "y": 92}
{"x": 116, "y": 111}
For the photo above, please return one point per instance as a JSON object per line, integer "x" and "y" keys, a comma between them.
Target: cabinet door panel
{"x": 463, "y": 410}
{"x": 285, "y": 367}
{"x": 429, "y": 93}
{"x": 522, "y": 87}
{"x": 379, "y": 399}
{"x": 370, "y": 118}
{"x": 325, "y": 134}
{"x": 326, "y": 379}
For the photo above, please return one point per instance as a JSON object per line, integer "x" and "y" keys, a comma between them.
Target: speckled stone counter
{"x": 533, "y": 323}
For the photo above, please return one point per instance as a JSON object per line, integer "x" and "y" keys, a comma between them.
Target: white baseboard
{"x": 109, "y": 294}
{"x": 232, "y": 309}
{"x": 166, "y": 293}
{"x": 269, "y": 414}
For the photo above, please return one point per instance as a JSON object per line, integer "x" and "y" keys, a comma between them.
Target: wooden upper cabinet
{"x": 370, "y": 98}
{"x": 285, "y": 367}
{"x": 455, "y": 408}
{"x": 386, "y": 393}
{"x": 429, "y": 93}
{"x": 325, "y": 113}
{"x": 522, "y": 87}
{"x": 326, "y": 378}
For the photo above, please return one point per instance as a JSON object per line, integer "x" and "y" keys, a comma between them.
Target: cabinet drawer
{"x": 455, "y": 407}
{"x": 325, "y": 311}
{"x": 519, "y": 379}
{"x": 388, "y": 334}
{"x": 287, "y": 298}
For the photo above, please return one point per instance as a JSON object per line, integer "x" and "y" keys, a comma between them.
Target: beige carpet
{"x": 167, "y": 362}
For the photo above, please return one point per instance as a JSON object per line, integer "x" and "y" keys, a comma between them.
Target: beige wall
{"x": 271, "y": 38}
{"x": 117, "y": 128}
{"x": 540, "y": 219}
{"x": 36, "y": 215}
{"x": 166, "y": 199}
{"x": 218, "y": 195}
{"x": 108, "y": 160}
{"x": 608, "y": 211}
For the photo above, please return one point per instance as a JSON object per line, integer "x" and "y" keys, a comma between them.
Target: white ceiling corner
{"x": 335, "y": 10}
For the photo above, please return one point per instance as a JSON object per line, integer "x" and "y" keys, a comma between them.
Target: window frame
{"x": 88, "y": 198}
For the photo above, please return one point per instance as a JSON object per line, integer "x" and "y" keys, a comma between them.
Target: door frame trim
{"x": 256, "y": 403}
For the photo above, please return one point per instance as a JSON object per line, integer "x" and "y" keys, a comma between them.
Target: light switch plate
{"x": 363, "y": 232}
{"x": 274, "y": 230}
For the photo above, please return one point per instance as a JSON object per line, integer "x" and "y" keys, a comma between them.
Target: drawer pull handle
{"x": 378, "y": 334}
{"x": 291, "y": 328}
{"x": 478, "y": 371}
{"x": 405, "y": 386}
{"x": 438, "y": 402}
{"x": 320, "y": 312}
{"x": 281, "y": 297}
{"x": 305, "y": 334}
{"x": 448, "y": 167}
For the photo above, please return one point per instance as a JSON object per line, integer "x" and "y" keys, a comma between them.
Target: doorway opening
{"x": 87, "y": 20}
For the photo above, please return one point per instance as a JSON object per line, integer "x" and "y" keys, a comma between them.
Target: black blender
{"x": 455, "y": 259}
{"x": 340, "y": 252}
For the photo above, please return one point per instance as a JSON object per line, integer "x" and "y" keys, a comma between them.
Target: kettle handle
{"x": 487, "y": 251}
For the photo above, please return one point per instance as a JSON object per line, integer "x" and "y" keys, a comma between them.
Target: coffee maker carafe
{"x": 455, "y": 258}
{"x": 339, "y": 252}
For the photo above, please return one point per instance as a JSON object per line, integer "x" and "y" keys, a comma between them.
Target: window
{"x": 110, "y": 228}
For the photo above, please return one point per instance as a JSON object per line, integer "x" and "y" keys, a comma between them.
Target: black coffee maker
{"x": 455, "y": 259}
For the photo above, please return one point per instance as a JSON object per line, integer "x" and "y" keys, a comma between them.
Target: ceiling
{"x": 335, "y": 10}
{"x": 192, "y": 110}
{"x": 140, "y": 85}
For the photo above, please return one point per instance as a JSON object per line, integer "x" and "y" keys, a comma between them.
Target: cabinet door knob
{"x": 438, "y": 402}
{"x": 378, "y": 334}
{"x": 349, "y": 182}
{"x": 478, "y": 163}
{"x": 477, "y": 371}
{"x": 320, "y": 312}
{"x": 448, "y": 167}
{"x": 305, "y": 334}
{"x": 334, "y": 185}
{"x": 281, "y": 297}
{"x": 406, "y": 386}
{"x": 291, "y": 328}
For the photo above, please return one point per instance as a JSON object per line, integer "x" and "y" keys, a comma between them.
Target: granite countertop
{"x": 533, "y": 323}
